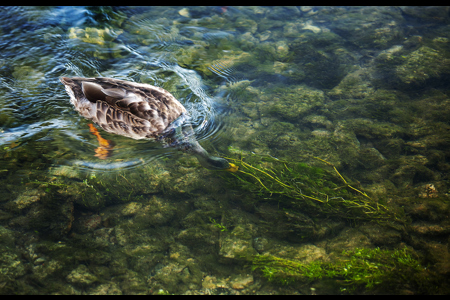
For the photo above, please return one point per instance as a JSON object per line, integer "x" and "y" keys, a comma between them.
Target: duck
{"x": 138, "y": 111}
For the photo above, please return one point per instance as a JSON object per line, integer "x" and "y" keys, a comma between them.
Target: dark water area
{"x": 337, "y": 117}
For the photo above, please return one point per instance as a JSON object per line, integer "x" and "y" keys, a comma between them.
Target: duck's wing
{"x": 126, "y": 108}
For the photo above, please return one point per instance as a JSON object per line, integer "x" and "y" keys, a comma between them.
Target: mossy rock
{"x": 237, "y": 245}
{"x": 371, "y": 129}
{"x": 81, "y": 276}
{"x": 422, "y": 64}
{"x": 94, "y": 35}
{"x": 97, "y": 42}
{"x": 246, "y": 24}
{"x": 291, "y": 104}
{"x": 354, "y": 85}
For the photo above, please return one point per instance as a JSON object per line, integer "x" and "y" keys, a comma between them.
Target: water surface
{"x": 364, "y": 88}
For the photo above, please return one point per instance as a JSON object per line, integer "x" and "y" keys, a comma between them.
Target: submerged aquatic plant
{"x": 360, "y": 267}
{"x": 218, "y": 225}
{"x": 320, "y": 190}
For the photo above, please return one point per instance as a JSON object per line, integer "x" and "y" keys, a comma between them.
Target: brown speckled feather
{"x": 135, "y": 110}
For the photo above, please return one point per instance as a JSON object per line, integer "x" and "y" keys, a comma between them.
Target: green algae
{"x": 354, "y": 269}
{"x": 220, "y": 226}
{"x": 314, "y": 189}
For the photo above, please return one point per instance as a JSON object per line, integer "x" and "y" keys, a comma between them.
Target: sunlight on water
{"x": 64, "y": 56}
{"x": 329, "y": 135}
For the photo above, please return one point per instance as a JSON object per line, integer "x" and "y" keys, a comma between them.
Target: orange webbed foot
{"x": 106, "y": 146}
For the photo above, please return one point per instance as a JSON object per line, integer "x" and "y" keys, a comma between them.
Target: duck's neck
{"x": 184, "y": 139}
{"x": 208, "y": 161}
{"x": 188, "y": 143}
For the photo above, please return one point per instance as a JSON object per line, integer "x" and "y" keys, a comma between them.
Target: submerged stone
{"x": 93, "y": 35}
{"x": 291, "y": 104}
{"x": 81, "y": 276}
{"x": 422, "y": 64}
{"x": 184, "y": 12}
{"x": 241, "y": 281}
{"x": 237, "y": 245}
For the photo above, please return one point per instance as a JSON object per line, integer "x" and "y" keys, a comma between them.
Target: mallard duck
{"x": 138, "y": 111}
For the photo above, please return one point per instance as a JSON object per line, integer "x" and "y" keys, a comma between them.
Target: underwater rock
{"x": 309, "y": 26}
{"x": 355, "y": 85}
{"x": 303, "y": 253}
{"x": 430, "y": 229}
{"x": 184, "y": 12}
{"x": 226, "y": 64}
{"x": 129, "y": 209}
{"x": 361, "y": 26}
{"x": 65, "y": 171}
{"x": 282, "y": 49}
{"x": 412, "y": 170}
{"x": 261, "y": 244}
{"x": 177, "y": 277}
{"x": 296, "y": 29}
{"x": 380, "y": 235}
{"x": 241, "y": 281}
{"x": 264, "y": 35}
{"x": 94, "y": 35}
{"x": 132, "y": 283}
{"x": 348, "y": 239}
{"x": 11, "y": 267}
{"x": 87, "y": 223}
{"x": 247, "y": 41}
{"x": 250, "y": 109}
{"x": 147, "y": 246}
{"x": 110, "y": 288}
{"x": 211, "y": 282}
{"x": 306, "y": 9}
{"x": 6, "y": 237}
{"x": 246, "y": 24}
{"x": 290, "y": 225}
{"x": 11, "y": 264}
{"x": 371, "y": 129}
{"x": 81, "y": 276}
{"x": 184, "y": 183}
{"x": 321, "y": 133}
{"x": 422, "y": 64}
{"x": 37, "y": 218}
{"x": 280, "y": 68}
{"x": 199, "y": 237}
{"x": 431, "y": 14}
{"x": 317, "y": 122}
{"x": 291, "y": 29}
{"x": 285, "y": 103}
{"x": 97, "y": 42}
{"x": 441, "y": 256}
{"x": 25, "y": 199}
{"x": 237, "y": 245}
{"x": 430, "y": 209}
{"x": 371, "y": 158}
{"x": 42, "y": 273}
{"x": 428, "y": 191}
{"x": 155, "y": 211}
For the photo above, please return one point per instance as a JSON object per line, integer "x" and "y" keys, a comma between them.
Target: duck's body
{"x": 138, "y": 111}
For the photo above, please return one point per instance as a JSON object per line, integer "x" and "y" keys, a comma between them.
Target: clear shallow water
{"x": 47, "y": 53}
{"x": 364, "y": 88}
